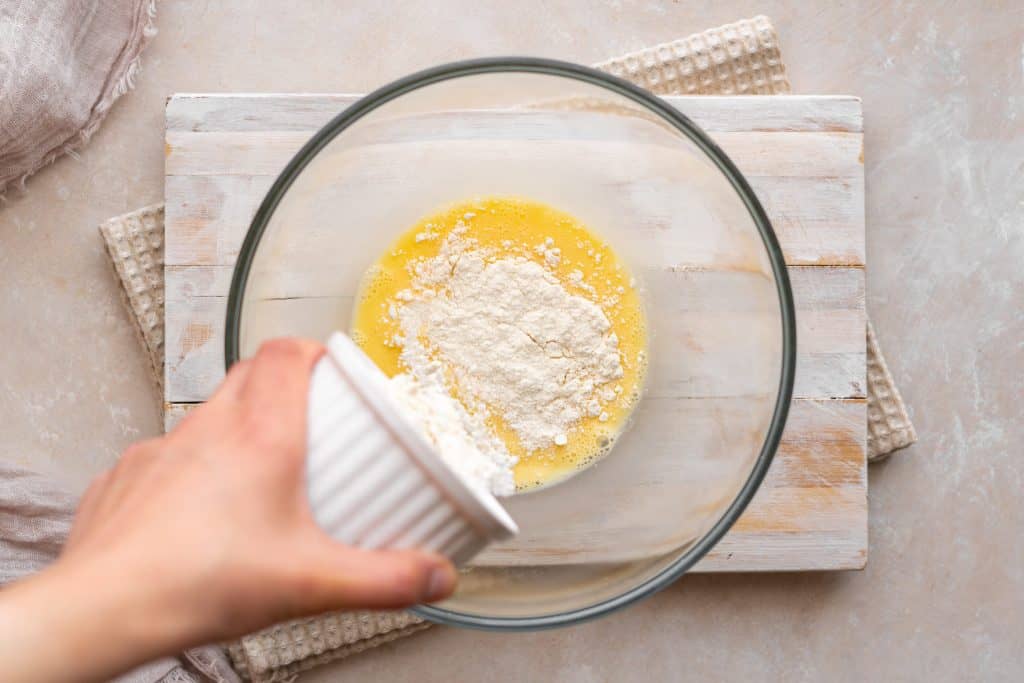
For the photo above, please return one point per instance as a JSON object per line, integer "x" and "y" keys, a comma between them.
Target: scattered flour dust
{"x": 511, "y": 339}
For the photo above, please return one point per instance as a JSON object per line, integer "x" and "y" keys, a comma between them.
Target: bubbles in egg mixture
{"x": 584, "y": 265}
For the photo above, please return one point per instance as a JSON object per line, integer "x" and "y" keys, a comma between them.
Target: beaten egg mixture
{"x": 581, "y": 261}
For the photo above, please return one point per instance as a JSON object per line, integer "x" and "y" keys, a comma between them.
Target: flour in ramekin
{"x": 509, "y": 337}
{"x": 460, "y": 438}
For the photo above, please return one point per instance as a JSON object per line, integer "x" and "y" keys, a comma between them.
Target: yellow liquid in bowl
{"x": 516, "y": 227}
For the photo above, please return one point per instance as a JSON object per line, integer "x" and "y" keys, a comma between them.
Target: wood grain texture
{"x": 803, "y": 156}
{"x": 830, "y": 323}
{"x": 201, "y": 112}
{"x": 818, "y": 220}
{"x": 785, "y": 153}
{"x": 808, "y": 515}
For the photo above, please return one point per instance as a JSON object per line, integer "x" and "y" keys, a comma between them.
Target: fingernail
{"x": 440, "y": 583}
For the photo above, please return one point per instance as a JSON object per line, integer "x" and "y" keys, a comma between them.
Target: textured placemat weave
{"x": 735, "y": 59}
{"x": 889, "y": 426}
{"x": 739, "y": 58}
{"x": 135, "y": 243}
{"x": 280, "y": 652}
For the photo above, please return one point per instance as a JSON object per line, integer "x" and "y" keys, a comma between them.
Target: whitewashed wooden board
{"x": 802, "y": 155}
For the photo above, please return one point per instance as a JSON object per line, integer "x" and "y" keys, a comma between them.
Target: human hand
{"x": 206, "y": 533}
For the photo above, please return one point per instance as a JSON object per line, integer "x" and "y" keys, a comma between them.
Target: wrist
{"x": 84, "y": 620}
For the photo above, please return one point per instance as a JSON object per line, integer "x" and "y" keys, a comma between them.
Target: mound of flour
{"x": 510, "y": 338}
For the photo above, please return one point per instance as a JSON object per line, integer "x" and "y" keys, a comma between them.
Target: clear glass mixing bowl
{"x": 638, "y": 172}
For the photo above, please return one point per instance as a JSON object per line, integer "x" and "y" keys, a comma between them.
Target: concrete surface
{"x": 943, "y": 89}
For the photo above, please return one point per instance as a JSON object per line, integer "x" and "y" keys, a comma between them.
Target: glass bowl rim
{"x": 683, "y": 124}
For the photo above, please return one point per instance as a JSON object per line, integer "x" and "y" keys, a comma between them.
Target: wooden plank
{"x": 198, "y": 112}
{"x": 816, "y": 489}
{"x": 708, "y": 321}
{"x": 809, "y": 514}
{"x": 196, "y": 366}
{"x": 809, "y": 113}
{"x": 796, "y": 154}
{"x": 209, "y": 216}
{"x": 817, "y": 220}
{"x": 818, "y": 448}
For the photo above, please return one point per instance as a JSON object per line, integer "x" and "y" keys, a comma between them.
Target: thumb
{"x": 346, "y": 577}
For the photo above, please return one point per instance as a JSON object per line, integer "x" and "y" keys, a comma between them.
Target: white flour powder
{"x": 510, "y": 337}
{"x": 460, "y": 438}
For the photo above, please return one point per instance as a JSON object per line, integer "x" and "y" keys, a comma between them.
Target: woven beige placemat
{"x": 135, "y": 244}
{"x": 889, "y": 426}
{"x": 736, "y": 59}
{"x": 280, "y": 652}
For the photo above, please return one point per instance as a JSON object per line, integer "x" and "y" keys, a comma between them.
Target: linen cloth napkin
{"x": 63, "y": 63}
{"x": 735, "y": 59}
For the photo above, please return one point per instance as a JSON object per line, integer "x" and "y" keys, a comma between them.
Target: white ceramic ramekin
{"x": 374, "y": 481}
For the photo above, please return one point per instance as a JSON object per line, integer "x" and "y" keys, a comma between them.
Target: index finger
{"x": 277, "y": 382}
